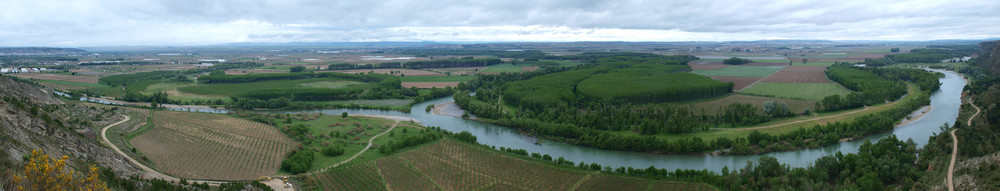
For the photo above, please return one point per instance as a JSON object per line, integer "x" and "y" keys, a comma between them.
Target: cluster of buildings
{"x": 22, "y": 70}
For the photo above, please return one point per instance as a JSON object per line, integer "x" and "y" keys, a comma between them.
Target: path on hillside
{"x": 794, "y": 122}
{"x": 156, "y": 174}
{"x": 370, "y": 142}
{"x": 954, "y": 148}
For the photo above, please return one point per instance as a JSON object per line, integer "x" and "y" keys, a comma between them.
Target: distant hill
{"x": 38, "y": 50}
{"x": 333, "y": 44}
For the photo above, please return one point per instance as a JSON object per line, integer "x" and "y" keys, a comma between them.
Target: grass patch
{"x": 804, "y": 91}
{"x": 504, "y": 68}
{"x": 437, "y": 78}
{"x": 787, "y": 125}
{"x": 80, "y": 84}
{"x": 770, "y": 60}
{"x": 748, "y": 71}
{"x": 814, "y": 63}
{"x": 230, "y": 89}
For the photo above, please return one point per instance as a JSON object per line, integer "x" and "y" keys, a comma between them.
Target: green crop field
{"x": 886, "y": 50}
{"x": 770, "y": 60}
{"x": 81, "y": 84}
{"x": 437, "y": 78}
{"x": 805, "y": 91}
{"x": 748, "y": 71}
{"x": 562, "y": 62}
{"x": 504, "y": 68}
{"x": 813, "y": 63}
{"x": 229, "y": 89}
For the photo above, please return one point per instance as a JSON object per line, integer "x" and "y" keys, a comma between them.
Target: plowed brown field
{"x": 213, "y": 147}
{"x": 799, "y": 74}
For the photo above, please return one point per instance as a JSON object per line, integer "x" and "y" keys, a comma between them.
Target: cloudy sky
{"x": 205, "y": 22}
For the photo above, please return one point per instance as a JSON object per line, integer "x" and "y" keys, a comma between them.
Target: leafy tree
{"x": 296, "y": 69}
{"x": 333, "y": 150}
{"x": 217, "y": 73}
{"x": 343, "y": 115}
{"x": 736, "y": 61}
{"x": 805, "y": 60}
{"x": 43, "y": 173}
{"x": 894, "y": 50}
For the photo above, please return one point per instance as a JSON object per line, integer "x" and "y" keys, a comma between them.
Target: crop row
{"x": 208, "y": 146}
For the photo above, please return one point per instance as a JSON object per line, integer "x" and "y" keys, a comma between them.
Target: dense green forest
{"x": 873, "y": 85}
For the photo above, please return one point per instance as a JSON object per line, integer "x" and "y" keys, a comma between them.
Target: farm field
{"x": 799, "y": 74}
{"x": 805, "y": 91}
{"x": 452, "y": 165}
{"x": 814, "y": 63}
{"x": 503, "y": 68}
{"x": 739, "y": 82}
{"x": 229, "y": 89}
{"x": 59, "y": 77}
{"x": 430, "y": 84}
{"x": 712, "y": 107}
{"x": 452, "y": 78}
{"x": 746, "y": 71}
{"x": 782, "y": 126}
{"x": 394, "y": 71}
{"x": 213, "y": 147}
{"x": 469, "y": 71}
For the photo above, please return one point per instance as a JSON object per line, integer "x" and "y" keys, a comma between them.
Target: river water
{"x": 945, "y": 104}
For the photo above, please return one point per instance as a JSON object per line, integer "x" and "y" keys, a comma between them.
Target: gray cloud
{"x": 198, "y": 22}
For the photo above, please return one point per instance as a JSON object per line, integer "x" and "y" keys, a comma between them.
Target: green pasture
{"x": 748, "y": 71}
{"x": 452, "y": 78}
{"x": 803, "y": 91}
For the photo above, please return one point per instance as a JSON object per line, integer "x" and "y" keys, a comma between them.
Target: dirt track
{"x": 954, "y": 148}
{"x": 150, "y": 173}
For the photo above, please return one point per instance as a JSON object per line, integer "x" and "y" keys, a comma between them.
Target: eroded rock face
{"x": 23, "y": 130}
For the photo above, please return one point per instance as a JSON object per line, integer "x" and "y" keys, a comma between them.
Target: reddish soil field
{"x": 804, "y": 69}
{"x": 429, "y": 84}
{"x": 529, "y": 68}
{"x": 59, "y": 77}
{"x": 407, "y": 72}
{"x": 740, "y": 82}
{"x": 799, "y": 74}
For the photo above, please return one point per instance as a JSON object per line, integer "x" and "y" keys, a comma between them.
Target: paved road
{"x": 954, "y": 149}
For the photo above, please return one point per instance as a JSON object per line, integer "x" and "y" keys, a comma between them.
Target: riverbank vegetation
{"x": 538, "y": 103}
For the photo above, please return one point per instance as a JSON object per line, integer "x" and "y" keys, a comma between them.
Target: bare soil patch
{"x": 739, "y": 82}
{"x": 799, "y": 74}
{"x": 59, "y": 77}
{"x": 529, "y": 68}
{"x": 429, "y": 84}
{"x": 767, "y": 64}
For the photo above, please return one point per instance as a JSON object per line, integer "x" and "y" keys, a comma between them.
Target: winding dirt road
{"x": 793, "y": 122}
{"x": 954, "y": 149}
{"x": 370, "y": 142}
{"x": 154, "y": 173}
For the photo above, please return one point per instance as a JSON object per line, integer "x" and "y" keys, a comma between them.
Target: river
{"x": 945, "y": 104}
